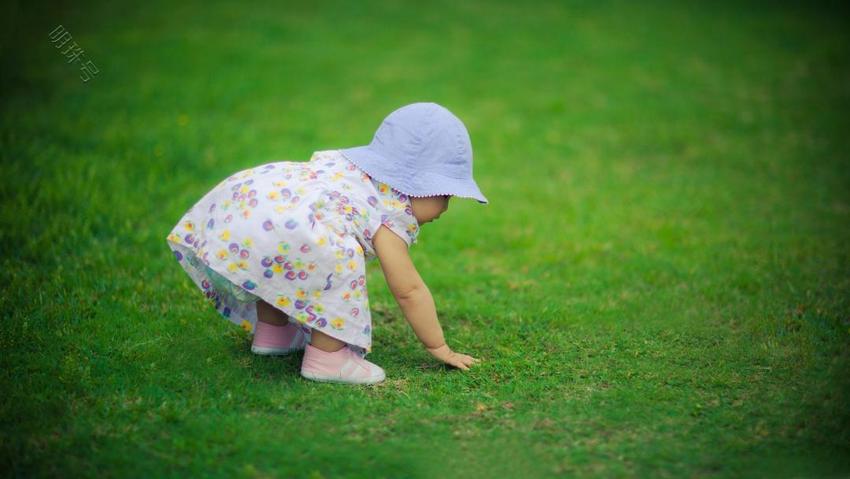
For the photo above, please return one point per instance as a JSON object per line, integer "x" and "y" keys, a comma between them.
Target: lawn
{"x": 659, "y": 287}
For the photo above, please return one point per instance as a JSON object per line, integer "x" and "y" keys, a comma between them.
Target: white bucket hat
{"x": 420, "y": 149}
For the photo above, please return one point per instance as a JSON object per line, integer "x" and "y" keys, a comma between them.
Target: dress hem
{"x": 264, "y": 295}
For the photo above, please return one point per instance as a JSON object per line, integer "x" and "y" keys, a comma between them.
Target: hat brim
{"x": 422, "y": 185}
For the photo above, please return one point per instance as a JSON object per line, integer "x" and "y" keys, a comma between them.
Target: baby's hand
{"x": 446, "y": 355}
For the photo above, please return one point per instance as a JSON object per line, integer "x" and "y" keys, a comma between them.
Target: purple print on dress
{"x": 298, "y": 231}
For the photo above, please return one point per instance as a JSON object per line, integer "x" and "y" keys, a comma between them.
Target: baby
{"x": 281, "y": 249}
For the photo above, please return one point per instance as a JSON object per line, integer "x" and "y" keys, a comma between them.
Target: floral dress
{"x": 296, "y": 235}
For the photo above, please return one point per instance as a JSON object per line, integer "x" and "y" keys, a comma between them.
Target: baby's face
{"x": 429, "y": 208}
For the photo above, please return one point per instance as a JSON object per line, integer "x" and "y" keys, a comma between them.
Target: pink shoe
{"x": 273, "y": 340}
{"x": 343, "y": 366}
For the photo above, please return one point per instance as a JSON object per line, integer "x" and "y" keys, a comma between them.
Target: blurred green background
{"x": 658, "y": 287}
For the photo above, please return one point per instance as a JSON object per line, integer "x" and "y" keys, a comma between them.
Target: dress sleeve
{"x": 396, "y": 213}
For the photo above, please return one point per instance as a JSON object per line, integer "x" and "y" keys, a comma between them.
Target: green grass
{"x": 660, "y": 286}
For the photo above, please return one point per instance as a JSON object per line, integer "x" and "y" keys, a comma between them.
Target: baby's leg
{"x": 324, "y": 342}
{"x": 271, "y": 315}
{"x": 274, "y": 334}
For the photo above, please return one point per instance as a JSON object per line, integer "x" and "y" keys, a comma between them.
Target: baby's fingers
{"x": 468, "y": 360}
{"x": 457, "y": 362}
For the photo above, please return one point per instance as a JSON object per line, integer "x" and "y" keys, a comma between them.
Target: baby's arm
{"x": 414, "y": 297}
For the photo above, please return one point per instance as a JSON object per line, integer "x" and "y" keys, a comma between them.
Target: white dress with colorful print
{"x": 297, "y": 235}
